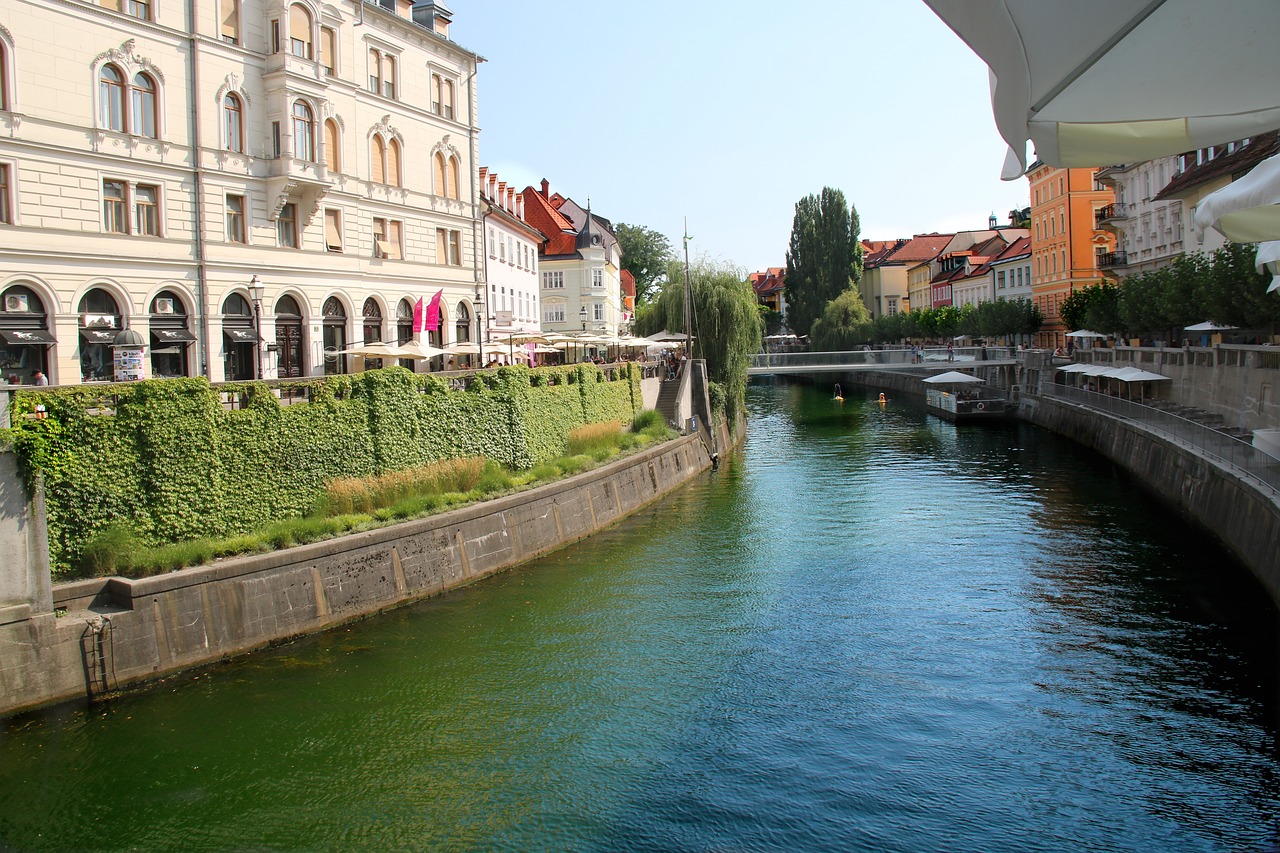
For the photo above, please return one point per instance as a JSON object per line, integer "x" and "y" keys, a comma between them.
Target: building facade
{"x": 1148, "y": 230}
{"x": 1067, "y": 245}
{"x": 510, "y": 268}
{"x": 252, "y": 190}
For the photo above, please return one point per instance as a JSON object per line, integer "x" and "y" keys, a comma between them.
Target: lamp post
{"x": 256, "y": 291}
{"x": 480, "y": 324}
{"x": 582, "y": 315}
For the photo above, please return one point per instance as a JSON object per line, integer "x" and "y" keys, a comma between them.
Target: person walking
{"x": 951, "y": 356}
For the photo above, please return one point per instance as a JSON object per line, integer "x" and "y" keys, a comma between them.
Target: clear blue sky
{"x": 729, "y": 113}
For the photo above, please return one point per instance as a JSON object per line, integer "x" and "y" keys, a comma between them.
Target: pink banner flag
{"x": 417, "y": 317}
{"x": 433, "y": 313}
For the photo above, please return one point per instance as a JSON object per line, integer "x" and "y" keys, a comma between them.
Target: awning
{"x": 99, "y": 336}
{"x": 172, "y": 336}
{"x": 26, "y": 337}
{"x": 241, "y": 336}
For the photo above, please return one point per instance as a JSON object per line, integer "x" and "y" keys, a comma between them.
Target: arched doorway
{"x": 404, "y": 329}
{"x": 372, "y": 313}
{"x": 240, "y": 362}
{"x": 99, "y": 321}
{"x": 289, "y": 337}
{"x": 170, "y": 338}
{"x": 25, "y": 335}
{"x": 335, "y": 336}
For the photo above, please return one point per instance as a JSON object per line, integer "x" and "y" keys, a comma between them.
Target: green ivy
{"x": 167, "y": 459}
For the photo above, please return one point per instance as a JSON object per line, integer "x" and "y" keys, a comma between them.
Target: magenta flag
{"x": 417, "y": 317}
{"x": 433, "y": 313}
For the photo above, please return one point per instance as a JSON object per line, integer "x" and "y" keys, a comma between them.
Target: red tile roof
{"x": 561, "y": 235}
{"x": 628, "y": 282}
{"x": 770, "y": 281}
{"x": 922, "y": 247}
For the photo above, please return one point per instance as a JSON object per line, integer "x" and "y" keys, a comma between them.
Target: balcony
{"x": 1115, "y": 210}
{"x": 1108, "y": 260}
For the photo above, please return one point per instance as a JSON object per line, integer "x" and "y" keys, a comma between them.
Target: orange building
{"x": 1065, "y": 241}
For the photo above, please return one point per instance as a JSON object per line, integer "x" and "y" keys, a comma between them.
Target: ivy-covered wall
{"x": 170, "y": 459}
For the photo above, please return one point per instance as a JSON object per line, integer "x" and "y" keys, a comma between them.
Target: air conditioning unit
{"x": 15, "y": 302}
{"x": 164, "y": 306}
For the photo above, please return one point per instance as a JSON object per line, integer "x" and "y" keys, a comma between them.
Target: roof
{"x": 627, "y": 282}
{"x": 538, "y": 212}
{"x": 1236, "y": 164}
{"x": 770, "y": 281}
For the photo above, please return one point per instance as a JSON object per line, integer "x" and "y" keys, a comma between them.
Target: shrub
{"x": 109, "y": 549}
{"x": 592, "y": 439}
{"x": 367, "y": 494}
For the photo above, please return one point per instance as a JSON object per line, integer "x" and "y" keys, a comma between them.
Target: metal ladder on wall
{"x": 95, "y": 654}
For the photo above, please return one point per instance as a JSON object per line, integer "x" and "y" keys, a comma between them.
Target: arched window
{"x": 111, "y": 98}
{"x": 304, "y": 143}
{"x": 332, "y": 146}
{"x": 393, "y": 163}
{"x": 299, "y": 31}
{"x": 233, "y": 122}
{"x": 372, "y": 320}
{"x": 328, "y": 50}
{"x": 230, "y": 14}
{"x": 404, "y": 328}
{"x": 462, "y": 329}
{"x": 5, "y": 76}
{"x": 144, "y": 106}
{"x": 99, "y": 319}
{"x": 439, "y": 184}
{"x": 454, "y": 188}
{"x": 335, "y": 336}
{"x": 378, "y": 161}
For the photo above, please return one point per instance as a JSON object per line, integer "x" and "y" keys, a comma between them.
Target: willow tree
{"x": 727, "y": 327}
{"x": 845, "y": 323}
{"x": 824, "y": 256}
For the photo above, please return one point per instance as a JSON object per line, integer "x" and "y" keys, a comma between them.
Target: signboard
{"x": 502, "y": 318}
{"x": 128, "y": 364}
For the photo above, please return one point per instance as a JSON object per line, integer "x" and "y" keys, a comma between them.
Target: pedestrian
{"x": 39, "y": 378}
{"x": 951, "y": 356}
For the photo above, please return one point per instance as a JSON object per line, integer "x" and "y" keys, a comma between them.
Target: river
{"x": 869, "y": 631}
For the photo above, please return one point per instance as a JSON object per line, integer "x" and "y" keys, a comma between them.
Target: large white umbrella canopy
{"x": 1085, "y": 333}
{"x": 418, "y": 351}
{"x": 375, "y": 349}
{"x": 952, "y": 377}
{"x": 462, "y": 348}
{"x": 1095, "y": 82}
{"x": 1209, "y": 327}
{"x": 1137, "y": 374}
{"x": 1247, "y": 210}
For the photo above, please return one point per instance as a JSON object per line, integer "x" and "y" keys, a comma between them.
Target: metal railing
{"x": 933, "y": 356}
{"x": 1210, "y": 442}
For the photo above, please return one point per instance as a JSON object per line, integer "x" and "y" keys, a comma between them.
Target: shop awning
{"x": 172, "y": 336}
{"x": 99, "y": 336}
{"x": 241, "y": 336}
{"x": 26, "y": 337}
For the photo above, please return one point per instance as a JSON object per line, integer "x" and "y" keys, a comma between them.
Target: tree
{"x": 824, "y": 257}
{"x": 845, "y": 323}
{"x": 645, "y": 254}
{"x": 727, "y": 325}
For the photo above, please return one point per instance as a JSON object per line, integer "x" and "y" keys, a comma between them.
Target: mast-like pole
{"x": 688, "y": 296}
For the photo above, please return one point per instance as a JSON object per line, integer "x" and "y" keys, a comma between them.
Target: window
{"x": 447, "y": 181}
{"x": 454, "y": 190}
{"x": 233, "y": 122}
{"x": 6, "y": 197}
{"x": 502, "y": 249}
{"x": 389, "y": 76}
{"x": 146, "y": 211}
{"x": 553, "y": 312}
{"x": 299, "y": 31}
{"x": 491, "y": 242}
{"x": 113, "y": 208}
{"x": 304, "y": 144}
{"x": 144, "y": 105}
{"x": 333, "y": 230}
{"x": 230, "y": 21}
{"x": 138, "y": 9}
{"x": 597, "y": 278}
{"x": 448, "y": 247}
{"x": 378, "y": 161}
{"x": 328, "y": 50}
{"x": 332, "y": 146}
{"x": 287, "y": 226}
{"x": 553, "y": 280}
{"x": 375, "y": 71}
{"x": 275, "y": 36}
{"x": 441, "y": 96}
{"x": 393, "y": 163}
{"x": 235, "y": 219}
{"x": 111, "y": 98}
{"x": 597, "y": 312}
{"x": 275, "y": 139}
{"x": 387, "y": 238}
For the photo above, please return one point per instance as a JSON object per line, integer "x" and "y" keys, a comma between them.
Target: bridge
{"x": 937, "y": 358}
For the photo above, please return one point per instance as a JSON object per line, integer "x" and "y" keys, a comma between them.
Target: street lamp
{"x": 479, "y": 306}
{"x": 256, "y": 291}
{"x": 582, "y": 315}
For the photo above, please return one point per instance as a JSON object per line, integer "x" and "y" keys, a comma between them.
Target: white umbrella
{"x": 374, "y": 349}
{"x": 418, "y": 351}
{"x": 1209, "y": 327}
{"x": 1094, "y": 82}
{"x": 952, "y": 377}
{"x": 1085, "y": 333}
{"x": 462, "y": 348}
{"x": 1074, "y": 368}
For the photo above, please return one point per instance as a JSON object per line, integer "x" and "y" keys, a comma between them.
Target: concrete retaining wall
{"x": 118, "y": 632}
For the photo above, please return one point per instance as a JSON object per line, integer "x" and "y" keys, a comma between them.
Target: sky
{"x": 727, "y": 114}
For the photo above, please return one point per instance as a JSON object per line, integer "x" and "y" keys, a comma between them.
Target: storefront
{"x": 99, "y": 322}
{"x": 335, "y": 336}
{"x": 289, "y": 342}
{"x": 24, "y": 336}
{"x": 170, "y": 338}
{"x": 240, "y": 360}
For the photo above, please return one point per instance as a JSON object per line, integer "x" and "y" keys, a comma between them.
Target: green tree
{"x": 645, "y": 254}
{"x": 844, "y": 324}
{"x": 824, "y": 257}
{"x": 727, "y": 325}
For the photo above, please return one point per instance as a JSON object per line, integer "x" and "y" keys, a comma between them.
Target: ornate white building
{"x": 252, "y": 190}
{"x": 510, "y": 266}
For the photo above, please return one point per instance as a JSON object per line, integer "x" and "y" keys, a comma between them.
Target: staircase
{"x": 668, "y": 397}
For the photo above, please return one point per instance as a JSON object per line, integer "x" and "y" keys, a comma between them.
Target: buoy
{"x": 981, "y": 406}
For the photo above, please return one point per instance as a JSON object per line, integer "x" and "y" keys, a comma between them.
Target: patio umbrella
{"x": 1209, "y": 327}
{"x": 1246, "y": 210}
{"x": 374, "y": 349}
{"x": 952, "y": 377}
{"x": 462, "y": 348}
{"x": 418, "y": 351}
{"x": 1094, "y": 82}
{"x": 664, "y": 337}
{"x": 1085, "y": 333}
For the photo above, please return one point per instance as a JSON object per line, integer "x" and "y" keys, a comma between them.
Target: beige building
{"x": 251, "y": 191}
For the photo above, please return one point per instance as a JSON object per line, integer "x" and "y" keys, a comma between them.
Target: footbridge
{"x": 939, "y": 358}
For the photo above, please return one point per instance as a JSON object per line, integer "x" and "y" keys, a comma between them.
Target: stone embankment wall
{"x": 117, "y": 632}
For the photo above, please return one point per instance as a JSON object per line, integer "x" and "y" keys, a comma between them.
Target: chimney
{"x": 511, "y": 199}
{"x": 433, "y": 15}
{"x": 484, "y": 171}
{"x": 501, "y": 197}
{"x": 520, "y": 205}
{"x": 546, "y": 187}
